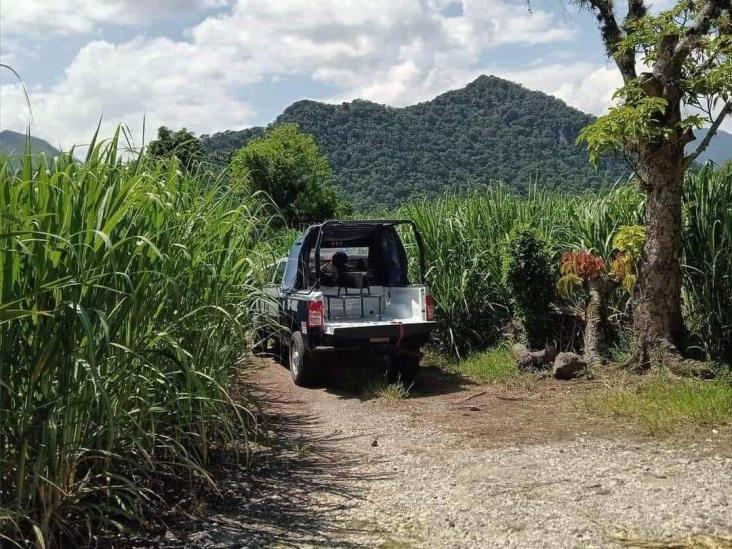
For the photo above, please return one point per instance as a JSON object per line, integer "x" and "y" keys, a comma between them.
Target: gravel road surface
{"x": 461, "y": 465}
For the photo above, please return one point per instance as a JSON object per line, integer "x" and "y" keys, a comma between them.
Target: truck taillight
{"x": 315, "y": 313}
{"x": 429, "y": 307}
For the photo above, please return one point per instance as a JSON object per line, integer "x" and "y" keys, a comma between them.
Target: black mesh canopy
{"x": 387, "y": 258}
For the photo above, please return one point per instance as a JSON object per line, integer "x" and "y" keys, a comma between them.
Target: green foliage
{"x": 463, "y": 238}
{"x": 705, "y": 73}
{"x": 287, "y": 166}
{"x": 125, "y": 291}
{"x": 568, "y": 284}
{"x": 628, "y": 246}
{"x": 707, "y": 260}
{"x": 183, "y": 145}
{"x": 529, "y": 277}
{"x": 491, "y": 130}
{"x": 578, "y": 268}
{"x": 644, "y": 114}
{"x": 496, "y": 365}
{"x": 221, "y": 147}
{"x": 630, "y": 239}
{"x": 624, "y": 126}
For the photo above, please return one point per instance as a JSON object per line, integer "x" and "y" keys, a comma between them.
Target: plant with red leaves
{"x": 577, "y": 268}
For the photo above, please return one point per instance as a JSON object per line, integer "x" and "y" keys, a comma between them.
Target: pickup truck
{"x": 345, "y": 288}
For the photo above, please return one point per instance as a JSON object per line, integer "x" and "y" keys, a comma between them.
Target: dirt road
{"x": 461, "y": 465}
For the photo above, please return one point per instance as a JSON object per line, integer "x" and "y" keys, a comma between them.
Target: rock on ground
{"x": 568, "y": 366}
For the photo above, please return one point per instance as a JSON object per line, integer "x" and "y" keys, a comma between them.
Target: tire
{"x": 302, "y": 363}
{"x": 404, "y": 368}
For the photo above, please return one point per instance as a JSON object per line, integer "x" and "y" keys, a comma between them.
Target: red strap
{"x": 401, "y": 333}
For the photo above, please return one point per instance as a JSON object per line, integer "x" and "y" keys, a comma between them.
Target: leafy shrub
{"x": 628, "y": 246}
{"x": 287, "y": 166}
{"x": 529, "y": 277}
{"x": 577, "y": 268}
{"x": 630, "y": 239}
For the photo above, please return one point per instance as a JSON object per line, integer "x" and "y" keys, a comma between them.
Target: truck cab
{"x": 345, "y": 287}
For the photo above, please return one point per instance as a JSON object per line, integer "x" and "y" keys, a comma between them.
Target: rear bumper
{"x": 377, "y": 338}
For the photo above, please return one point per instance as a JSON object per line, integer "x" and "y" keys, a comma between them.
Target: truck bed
{"x": 379, "y": 304}
{"x": 383, "y": 315}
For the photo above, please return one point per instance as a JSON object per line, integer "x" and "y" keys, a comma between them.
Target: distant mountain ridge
{"x": 490, "y": 130}
{"x": 14, "y": 144}
{"x": 719, "y": 149}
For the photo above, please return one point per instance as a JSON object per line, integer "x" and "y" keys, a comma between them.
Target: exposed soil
{"x": 460, "y": 465}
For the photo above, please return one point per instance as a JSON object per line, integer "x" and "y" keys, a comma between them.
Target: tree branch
{"x": 707, "y": 12}
{"x": 711, "y": 132}
{"x": 612, "y": 34}
{"x": 636, "y": 10}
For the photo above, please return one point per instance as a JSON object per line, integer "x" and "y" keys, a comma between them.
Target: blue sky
{"x": 211, "y": 65}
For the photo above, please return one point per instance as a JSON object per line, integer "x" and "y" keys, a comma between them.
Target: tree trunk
{"x": 658, "y": 324}
{"x": 595, "y": 338}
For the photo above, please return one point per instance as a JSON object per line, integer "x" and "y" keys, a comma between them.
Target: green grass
{"x": 464, "y": 239}
{"x": 383, "y": 390}
{"x": 495, "y": 365}
{"x": 707, "y": 260}
{"x": 661, "y": 404}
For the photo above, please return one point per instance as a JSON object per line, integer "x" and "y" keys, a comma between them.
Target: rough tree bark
{"x": 595, "y": 340}
{"x": 657, "y": 317}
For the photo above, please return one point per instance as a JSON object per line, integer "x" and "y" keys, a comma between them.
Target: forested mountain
{"x": 219, "y": 147}
{"x": 719, "y": 149}
{"x": 492, "y": 129}
{"x": 13, "y": 144}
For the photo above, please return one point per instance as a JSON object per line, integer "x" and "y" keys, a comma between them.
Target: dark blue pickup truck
{"x": 345, "y": 287}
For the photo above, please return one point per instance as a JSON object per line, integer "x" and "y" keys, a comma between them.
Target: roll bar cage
{"x": 380, "y": 222}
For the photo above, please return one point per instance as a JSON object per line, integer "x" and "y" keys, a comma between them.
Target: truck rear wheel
{"x": 302, "y": 363}
{"x": 404, "y": 368}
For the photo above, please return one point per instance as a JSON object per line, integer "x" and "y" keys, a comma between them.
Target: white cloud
{"x": 387, "y": 51}
{"x": 395, "y": 52}
{"x": 585, "y": 86}
{"x": 82, "y": 16}
{"x": 159, "y": 80}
